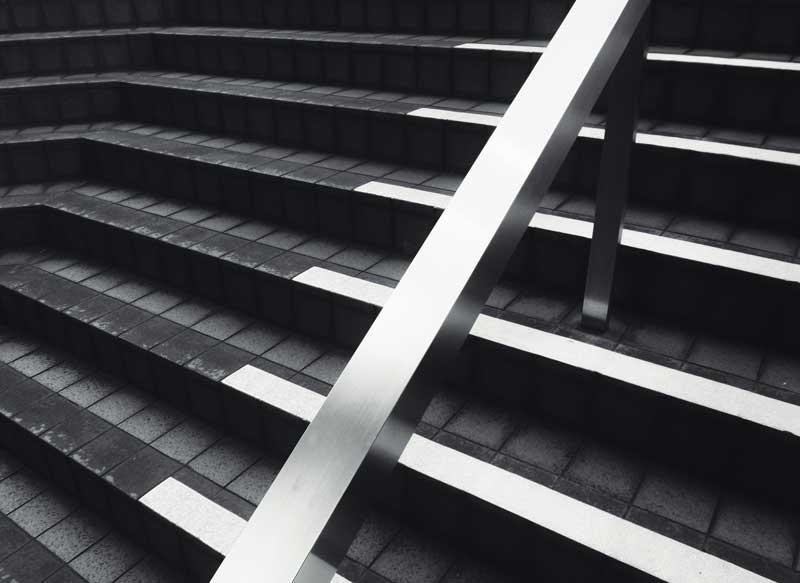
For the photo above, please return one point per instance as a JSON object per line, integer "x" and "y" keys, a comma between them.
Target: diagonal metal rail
{"x": 311, "y": 513}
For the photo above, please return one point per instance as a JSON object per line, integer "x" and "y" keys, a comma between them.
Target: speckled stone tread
{"x": 46, "y": 535}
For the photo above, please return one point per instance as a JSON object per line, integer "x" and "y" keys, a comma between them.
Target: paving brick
{"x": 42, "y": 512}
{"x": 185, "y": 347}
{"x": 21, "y": 396}
{"x": 142, "y": 472}
{"x": 45, "y": 413}
{"x": 107, "y": 560}
{"x": 186, "y": 441}
{"x": 484, "y": 424}
{"x": 94, "y": 308}
{"x": 150, "y": 570}
{"x": 360, "y": 258}
{"x": 295, "y": 352}
{"x": 607, "y": 470}
{"x": 224, "y": 461}
{"x": 31, "y": 564}
{"x": 11, "y": 350}
{"x": 664, "y": 338}
{"x": 444, "y": 404}
{"x": 678, "y": 497}
{"x": 62, "y": 375}
{"x": 189, "y": 313}
{"x": 152, "y": 422}
{"x": 327, "y": 368}
{"x": 220, "y": 361}
{"x": 258, "y": 338}
{"x": 105, "y": 281}
{"x": 781, "y": 370}
{"x": 541, "y": 306}
{"x": 131, "y": 290}
{"x": 222, "y": 325}
{"x": 90, "y": 390}
{"x": 121, "y": 320}
{"x": 410, "y": 559}
{"x": 372, "y": 538}
{"x": 734, "y": 358}
{"x": 543, "y": 444}
{"x": 76, "y": 431}
{"x": 254, "y": 482}
{"x": 120, "y": 405}
{"x": 12, "y": 537}
{"x": 73, "y": 535}
{"x": 765, "y": 531}
{"x": 8, "y": 464}
{"x": 108, "y": 450}
{"x": 160, "y": 301}
{"x": 391, "y": 268}
{"x": 467, "y": 570}
{"x": 65, "y": 575}
{"x": 36, "y": 362}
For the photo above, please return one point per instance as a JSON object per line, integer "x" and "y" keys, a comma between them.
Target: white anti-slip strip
{"x": 647, "y": 139}
{"x": 655, "y": 554}
{"x": 670, "y": 246}
{"x": 654, "y": 56}
{"x": 204, "y": 519}
{"x": 198, "y": 516}
{"x": 647, "y": 375}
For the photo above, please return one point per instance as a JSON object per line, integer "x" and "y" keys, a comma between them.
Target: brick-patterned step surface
{"x": 46, "y": 535}
{"x": 309, "y": 209}
{"x": 699, "y": 99}
{"x": 243, "y": 119}
{"x": 111, "y": 443}
{"x": 187, "y": 365}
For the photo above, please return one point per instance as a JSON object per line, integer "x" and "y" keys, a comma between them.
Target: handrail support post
{"x": 613, "y": 188}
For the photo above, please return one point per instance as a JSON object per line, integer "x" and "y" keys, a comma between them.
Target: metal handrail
{"x": 303, "y": 527}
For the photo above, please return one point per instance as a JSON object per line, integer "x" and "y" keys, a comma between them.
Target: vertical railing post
{"x": 622, "y": 118}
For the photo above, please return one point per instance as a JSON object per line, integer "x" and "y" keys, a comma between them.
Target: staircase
{"x": 204, "y": 204}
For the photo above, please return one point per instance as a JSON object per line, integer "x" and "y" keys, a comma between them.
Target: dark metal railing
{"x": 311, "y": 513}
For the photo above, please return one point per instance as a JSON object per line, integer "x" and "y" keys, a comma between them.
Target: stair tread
{"x": 592, "y": 470}
{"x": 46, "y": 533}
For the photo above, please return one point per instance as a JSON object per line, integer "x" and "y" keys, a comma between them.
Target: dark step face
{"x": 191, "y": 383}
{"x": 688, "y": 193}
{"x": 740, "y": 26}
{"x": 267, "y": 293}
{"x": 728, "y": 103}
{"x": 45, "y": 532}
{"x": 22, "y": 16}
{"x": 664, "y": 293}
{"x": 141, "y": 466}
{"x": 743, "y": 26}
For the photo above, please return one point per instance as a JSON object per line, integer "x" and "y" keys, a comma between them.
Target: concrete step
{"x": 220, "y": 397}
{"x": 671, "y": 192}
{"x": 653, "y": 425}
{"x": 48, "y": 534}
{"x": 731, "y": 99}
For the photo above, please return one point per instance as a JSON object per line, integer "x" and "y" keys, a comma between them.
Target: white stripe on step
{"x": 198, "y": 516}
{"x": 670, "y": 246}
{"x": 643, "y": 549}
{"x": 707, "y": 393}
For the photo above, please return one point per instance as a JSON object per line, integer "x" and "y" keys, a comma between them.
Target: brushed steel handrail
{"x": 311, "y": 513}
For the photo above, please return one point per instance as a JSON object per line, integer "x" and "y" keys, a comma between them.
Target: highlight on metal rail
{"x": 311, "y": 513}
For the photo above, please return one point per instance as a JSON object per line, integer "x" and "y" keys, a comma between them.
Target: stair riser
{"x": 708, "y": 443}
{"x": 419, "y": 498}
{"x": 728, "y": 97}
{"x": 47, "y": 15}
{"x": 718, "y": 187}
{"x": 318, "y": 209}
{"x": 675, "y": 23}
{"x": 145, "y": 526}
